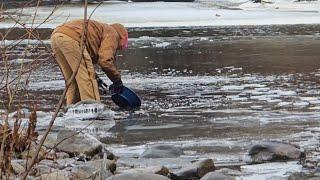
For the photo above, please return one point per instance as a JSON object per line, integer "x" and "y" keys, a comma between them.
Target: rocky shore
{"x": 69, "y": 154}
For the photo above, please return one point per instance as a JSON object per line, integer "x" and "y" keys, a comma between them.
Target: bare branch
{"x": 82, "y": 47}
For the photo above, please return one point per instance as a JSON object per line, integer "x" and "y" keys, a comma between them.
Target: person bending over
{"x": 102, "y": 42}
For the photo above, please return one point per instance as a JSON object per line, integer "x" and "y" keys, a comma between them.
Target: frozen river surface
{"x": 213, "y": 97}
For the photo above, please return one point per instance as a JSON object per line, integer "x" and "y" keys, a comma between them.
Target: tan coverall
{"x": 102, "y": 42}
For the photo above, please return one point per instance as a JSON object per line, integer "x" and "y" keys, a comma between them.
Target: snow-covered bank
{"x": 202, "y": 13}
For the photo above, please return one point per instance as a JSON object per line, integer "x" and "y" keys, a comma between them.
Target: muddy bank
{"x": 219, "y": 32}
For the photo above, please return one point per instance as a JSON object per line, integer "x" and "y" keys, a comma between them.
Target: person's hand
{"x": 117, "y": 87}
{"x": 103, "y": 87}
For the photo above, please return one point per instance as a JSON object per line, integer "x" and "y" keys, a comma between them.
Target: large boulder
{"x": 274, "y": 151}
{"x": 57, "y": 175}
{"x": 138, "y": 176}
{"x": 50, "y": 141}
{"x": 217, "y": 176}
{"x": 75, "y": 143}
{"x": 100, "y": 169}
{"x": 196, "y": 170}
{"x": 162, "y": 151}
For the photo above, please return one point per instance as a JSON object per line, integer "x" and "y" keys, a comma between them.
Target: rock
{"x": 51, "y": 154}
{"x": 274, "y": 151}
{"x": 109, "y": 154}
{"x": 67, "y": 162}
{"x": 197, "y": 169}
{"x": 316, "y": 171}
{"x": 78, "y": 143}
{"x": 22, "y": 162}
{"x": 162, "y": 151}
{"x": 314, "y": 178}
{"x": 298, "y": 176}
{"x": 104, "y": 152}
{"x": 62, "y": 155}
{"x": 43, "y": 169}
{"x": 99, "y": 169}
{"x": 217, "y": 176}
{"x": 138, "y": 176}
{"x": 50, "y": 141}
{"x": 161, "y": 170}
{"x": 48, "y": 163}
{"x": 57, "y": 175}
{"x": 28, "y": 154}
{"x": 17, "y": 167}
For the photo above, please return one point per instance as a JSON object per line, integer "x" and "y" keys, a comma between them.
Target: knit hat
{"x": 121, "y": 30}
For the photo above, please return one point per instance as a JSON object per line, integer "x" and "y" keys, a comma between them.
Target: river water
{"x": 214, "y": 97}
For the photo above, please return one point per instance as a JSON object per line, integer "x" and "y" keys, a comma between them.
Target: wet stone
{"x": 197, "y": 169}
{"x": 162, "y": 151}
{"x": 138, "y": 175}
{"x": 99, "y": 169}
{"x": 217, "y": 176}
{"x": 104, "y": 152}
{"x": 75, "y": 143}
{"x": 57, "y": 175}
{"x": 274, "y": 151}
{"x": 298, "y": 176}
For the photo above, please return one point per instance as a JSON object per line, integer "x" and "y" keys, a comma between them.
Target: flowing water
{"x": 214, "y": 97}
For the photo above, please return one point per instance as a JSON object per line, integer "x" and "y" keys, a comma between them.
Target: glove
{"x": 101, "y": 85}
{"x": 117, "y": 87}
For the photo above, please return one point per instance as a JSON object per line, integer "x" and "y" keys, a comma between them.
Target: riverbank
{"x": 174, "y": 14}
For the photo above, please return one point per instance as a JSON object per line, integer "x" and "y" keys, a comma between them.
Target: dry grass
{"x": 14, "y": 86}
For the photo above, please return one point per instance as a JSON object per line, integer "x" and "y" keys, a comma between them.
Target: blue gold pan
{"x": 127, "y": 99}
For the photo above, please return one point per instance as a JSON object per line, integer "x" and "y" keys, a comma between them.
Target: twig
{"x": 82, "y": 46}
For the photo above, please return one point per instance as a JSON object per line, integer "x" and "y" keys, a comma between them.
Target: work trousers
{"x": 67, "y": 53}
